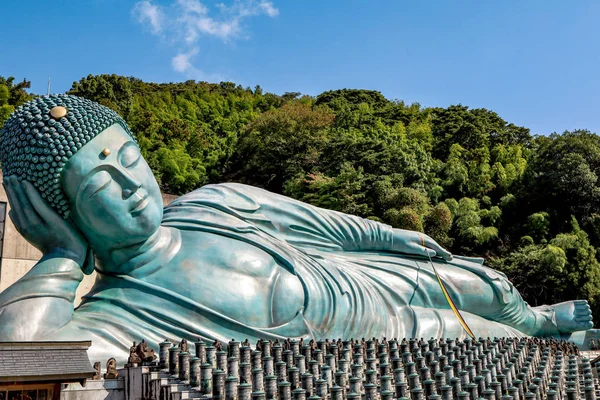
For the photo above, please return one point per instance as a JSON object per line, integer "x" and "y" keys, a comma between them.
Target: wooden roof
{"x": 45, "y": 361}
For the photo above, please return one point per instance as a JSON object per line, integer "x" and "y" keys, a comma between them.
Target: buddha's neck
{"x": 143, "y": 258}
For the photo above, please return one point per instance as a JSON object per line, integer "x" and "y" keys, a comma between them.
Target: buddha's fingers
{"x": 46, "y": 213}
{"x": 476, "y": 260}
{"x": 13, "y": 214}
{"x": 27, "y": 202}
{"x": 421, "y": 250}
{"x": 19, "y": 203}
{"x": 440, "y": 251}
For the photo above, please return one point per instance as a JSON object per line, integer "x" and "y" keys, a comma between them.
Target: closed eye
{"x": 100, "y": 188}
{"x": 129, "y": 155}
{"x": 98, "y": 182}
{"x": 134, "y": 163}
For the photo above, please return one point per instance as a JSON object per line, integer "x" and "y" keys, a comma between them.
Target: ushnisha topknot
{"x": 42, "y": 135}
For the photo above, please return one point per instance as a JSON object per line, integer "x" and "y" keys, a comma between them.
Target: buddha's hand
{"x": 40, "y": 225}
{"x": 417, "y": 243}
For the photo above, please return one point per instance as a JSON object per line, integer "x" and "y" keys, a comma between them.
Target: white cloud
{"x": 206, "y": 25}
{"x": 185, "y": 22}
{"x": 147, "y": 12}
{"x": 269, "y": 9}
{"x": 181, "y": 62}
{"x": 227, "y": 25}
{"x": 193, "y": 6}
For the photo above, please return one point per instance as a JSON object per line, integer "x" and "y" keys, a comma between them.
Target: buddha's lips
{"x": 140, "y": 204}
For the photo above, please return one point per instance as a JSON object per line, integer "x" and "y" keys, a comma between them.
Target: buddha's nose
{"x": 128, "y": 192}
{"x": 130, "y": 185}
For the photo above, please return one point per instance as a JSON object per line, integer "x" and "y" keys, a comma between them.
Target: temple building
{"x": 38, "y": 370}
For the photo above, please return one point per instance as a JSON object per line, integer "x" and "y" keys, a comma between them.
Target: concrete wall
{"x": 110, "y": 389}
{"x": 18, "y": 256}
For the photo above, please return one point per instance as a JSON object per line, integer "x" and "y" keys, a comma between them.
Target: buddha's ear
{"x": 90, "y": 262}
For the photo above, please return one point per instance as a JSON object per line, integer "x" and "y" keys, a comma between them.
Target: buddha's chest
{"x": 235, "y": 279}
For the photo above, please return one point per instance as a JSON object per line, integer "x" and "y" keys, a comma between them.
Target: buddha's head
{"x": 86, "y": 164}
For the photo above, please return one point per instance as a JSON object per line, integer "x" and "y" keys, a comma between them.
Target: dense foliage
{"x": 476, "y": 183}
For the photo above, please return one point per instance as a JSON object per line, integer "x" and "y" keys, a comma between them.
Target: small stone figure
{"x": 246, "y": 343}
{"x": 259, "y": 345}
{"x": 145, "y": 353}
{"x": 218, "y": 345}
{"x": 111, "y": 369}
{"x": 593, "y": 345}
{"x": 183, "y": 346}
{"x": 97, "y": 375}
{"x": 133, "y": 357}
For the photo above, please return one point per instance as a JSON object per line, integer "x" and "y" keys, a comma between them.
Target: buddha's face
{"x": 112, "y": 191}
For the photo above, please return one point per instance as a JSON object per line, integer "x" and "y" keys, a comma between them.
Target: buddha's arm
{"x": 41, "y": 302}
{"x": 307, "y": 225}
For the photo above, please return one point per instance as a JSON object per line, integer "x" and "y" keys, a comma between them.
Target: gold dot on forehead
{"x": 105, "y": 152}
{"x": 58, "y": 112}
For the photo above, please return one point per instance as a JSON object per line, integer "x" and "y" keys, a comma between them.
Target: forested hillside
{"x": 476, "y": 183}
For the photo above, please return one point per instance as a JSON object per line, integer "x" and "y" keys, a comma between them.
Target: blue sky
{"x": 534, "y": 62}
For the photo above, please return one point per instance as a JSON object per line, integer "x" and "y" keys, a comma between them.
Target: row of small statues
{"x": 555, "y": 344}
{"x": 138, "y": 353}
{"x": 111, "y": 370}
{"x": 502, "y": 368}
{"x": 142, "y": 353}
{"x": 483, "y": 368}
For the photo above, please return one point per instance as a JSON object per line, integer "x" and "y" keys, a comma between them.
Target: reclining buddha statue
{"x": 226, "y": 260}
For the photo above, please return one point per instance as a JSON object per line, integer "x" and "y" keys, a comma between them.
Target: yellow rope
{"x": 448, "y": 298}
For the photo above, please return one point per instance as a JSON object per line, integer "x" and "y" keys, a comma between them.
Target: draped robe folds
{"x": 354, "y": 284}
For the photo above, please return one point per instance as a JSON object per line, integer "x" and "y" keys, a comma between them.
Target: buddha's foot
{"x": 569, "y": 316}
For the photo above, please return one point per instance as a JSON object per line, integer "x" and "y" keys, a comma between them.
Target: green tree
{"x": 344, "y": 193}
{"x": 468, "y": 229}
{"x": 568, "y": 265}
{"x": 438, "y": 223}
{"x": 281, "y": 144}
{"x": 12, "y": 95}
{"x": 113, "y": 91}
{"x": 538, "y": 225}
{"x": 5, "y": 108}
{"x": 17, "y": 92}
